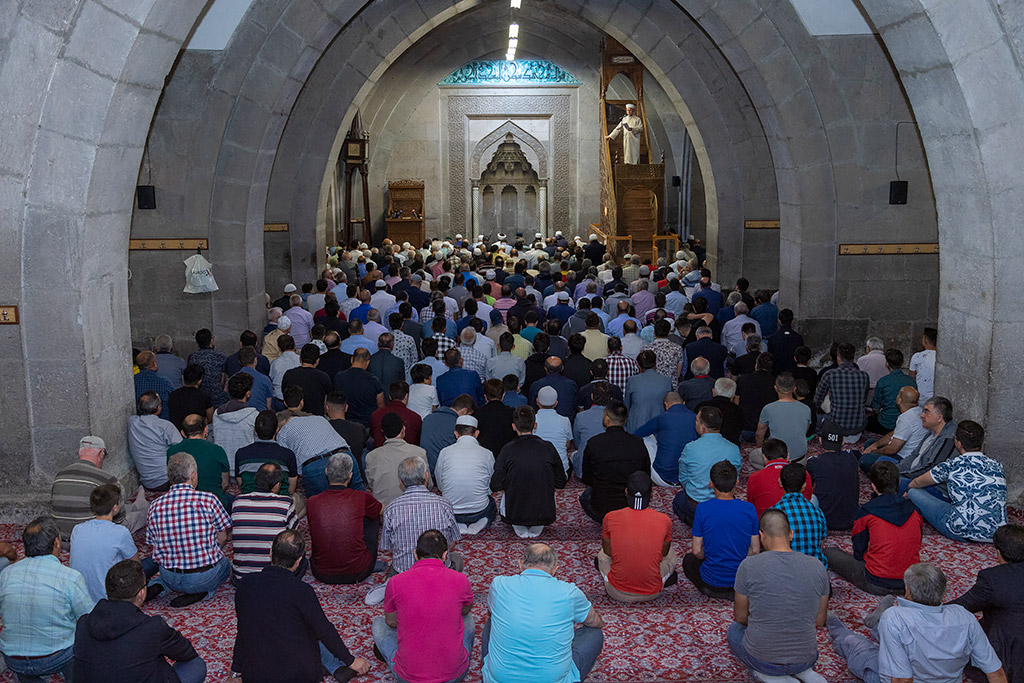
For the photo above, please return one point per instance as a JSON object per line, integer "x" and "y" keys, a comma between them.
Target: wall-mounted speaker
{"x": 146, "y": 195}
{"x": 898, "y": 192}
{"x": 677, "y": 181}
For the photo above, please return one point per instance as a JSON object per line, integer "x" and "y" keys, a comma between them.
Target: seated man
{"x": 806, "y": 520}
{"x": 787, "y": 419}
{"x": 148, "y": 440}
{"x": 836, "y": 479}
{"x": 343, "y": 527}
{"x": 781, "y": 598}
{"x": 763, "y": 489}
{"x": 118, "y": 642}
{"x": 724, "y": 533}
{"x": 918, "y": 638}
{"x": 399, "y": 392}
{"x": 234, "y": 422}
{"x": 313, "y": 440}
{"x": 283, "y": 633}
{"x": 998, "y": 593}
{"x": 73, "y": 486}
{"x": 382, "y": 462}
{"x": 429, "y": 607}
{"x": 696, "y": 461}
{"x": 609, "y": 460}
{"x": 636, "y": 558}
{"x": 257, "y": 518}
{"x": 672, "y": 431}
{"x": 40, "y": 603}
{"x": 755, "y": 390}
{"x": 528, "y": 470}
{"x": 938, "y": 444}
{"x": 904, "y": 439}
{"x": 725, "y": 399}
{"x": 99, "y": 544}
{"x": 846, "y": 387}
{"x": 887, "y": 390}
{"x": 250, "y": 459}
{"x": 530, "y": 635}
{"x": 700, "y": 387}
{"x": 886, "y": 537}
{"x": 211, "y": 459}
{"x": 977, "y": 490}
{"x": 188, "y": 529}
{"x": 553, "y": 427}
{"x": 408, "y": 516}
{"x": 464, "y": 472}
{"x": 457, "y": 380}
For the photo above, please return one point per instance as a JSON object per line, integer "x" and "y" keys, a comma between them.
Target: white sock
{"x": 463, "y": 528}
{"x": 811, "y": 676}
{"x": 765, "y": 678}
{"x": 522, "y": 531}
{"x": 476, "y": 527}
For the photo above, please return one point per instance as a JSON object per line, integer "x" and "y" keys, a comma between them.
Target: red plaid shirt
{"x": 620, "y": 369}
{"x": 182, "y": 527}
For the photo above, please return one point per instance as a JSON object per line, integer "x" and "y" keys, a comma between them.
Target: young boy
{"x": 99, "y": 544}
{"x": 512, "y": 398}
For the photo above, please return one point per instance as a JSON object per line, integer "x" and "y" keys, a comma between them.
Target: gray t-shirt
{"x": 785, "y": 591}
{"x": 788, "y": 420}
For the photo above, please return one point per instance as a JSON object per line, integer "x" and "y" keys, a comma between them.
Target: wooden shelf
{"x": 406, "y": 196}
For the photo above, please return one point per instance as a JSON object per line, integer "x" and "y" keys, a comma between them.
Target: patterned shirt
{"x": 182, "y": 527}
{"x": 977, "y": 488}
{"x": 69, "y": 495}
{"x": 846, "y": 387}
{"x": 405, "y": 349}
{"x": 40, "y": 603}
{"x": 147, "y": 380}
{"x": 808, "y": 524}
{"x": 620, "y": 369}
{"x": 668, "y": 356}
{"x": 474, "y": 360}
{"x": 444, "y": 343}
{"x": 213, "y": 363}
{"x": 408, "y": 516}
{"x": 256, "y": 518}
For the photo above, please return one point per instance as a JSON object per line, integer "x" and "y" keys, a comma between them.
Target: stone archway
{"x": 521, "y": 136}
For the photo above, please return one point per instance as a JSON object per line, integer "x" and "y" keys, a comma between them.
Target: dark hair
{"x": 970, "y": 434}
{"x": 193, "y": 425}
{"x": 943, "y": 405}
{"x": 524, "y": 419}
{"x": 802, "y": 355}
{"x": 601, "y": 393}
{"x": 845, "y": 351}
{"x": 617, "y": 412}
{"x": 431, "y": 544}
{"x": 599, "y": 369}
{"x": 193, "y": 373}
{"x": 420, "y": 372}
{"x": 931, "y": 334}
{"x": 614, "y": 344}
{"x": 885, "y": 476}
{"x": 785, "y": 316}
{"x": 765, "y": 362}
{"x": 309, "y": 354}
{"x": 646, "y": 359}
{"x": 493, "y": 389}
{"x": 1009, "y": 541}
{"x": 39, "y": 536}
{"x": 774, "y": 449}
{"x": 149, "y": 403}
{"x": 452, "y": 357}
{"x": 203, "y": 338}
{"x": 429, "y": 347}
{"x": 124, "y": 580}
{"x": 793, "y": 477}
{"x": 723, "y": 476}
{"x": 293, "y": 395}
{"x": 239, "y": 384}
{"x": 266, "y": 425}
{"x": 711, "y": 417}
{"x": 337, "y": 398}
{"x": 510, "y": 382}
{"x": 268, "y": 476}
{"x": 662, "y": 327}
{"x": 391, "y": 424}
{"x": 103, "y": 499}
{"x": 577, "y": 342}
{"x": 246, "y": 356}
{"x": 541, "y": 342}
{"x": 286, "y": 342}
{"x": 464, "y": 402}
{"x": 398, "y": 390}
{"x": 894, "y": 357}
{"x": 288, "y": 548}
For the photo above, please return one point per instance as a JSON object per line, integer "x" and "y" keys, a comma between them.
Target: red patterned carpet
{"x": 678, "y": 637}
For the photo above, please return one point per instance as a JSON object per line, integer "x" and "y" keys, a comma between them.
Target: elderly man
{"x": 40, "y": 602}
{"x": 918, "y": 638}
{"x": 188, "y": 529}
{"x": 564, "y": 388}
{"x": 706, "y": 347}
{"x": 169, "y": 365}
{"x": 283, "y": 633}
{"x": 630, "y": 127}
{"x": 700, "y": 387}
{"x": 732, "y": 331}
{"x": 464, "y": 472}
{"x": 904, "y": 438}
{"x": 279, "y": 325}
{"x": 672, "y": 430}
{"x": 551, "y": 426}
{"x": 938, "y": 444}
{"x": 257, "y": 517}
{"x": 148, "y": 379}
{"x": 149, "y": 437}
{"x": 530, "y": 635}
{"x": 302, "y": 321}
{"x": 873, "y": 360}
{"x": 69, "y": 494}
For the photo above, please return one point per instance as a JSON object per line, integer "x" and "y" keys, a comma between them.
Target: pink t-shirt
{"x": 428, "y": 599}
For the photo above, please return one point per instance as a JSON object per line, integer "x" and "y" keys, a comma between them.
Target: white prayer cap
{"x": 680, "y": 255}
{"x": 477, "y": 252}
{"x": 406, "y": 245}
{"x": 458, "y": 236}
{"x": 672, "y": 275}
{"x": 284, "y": 323}
{"x": 628, "y": 256}
{"x": 644, "y": 271}
{"x": 547, "y": 397}
{"x": 289, "y": 288}
{"x": 558, "y": 233}
{"x": 364, "y": 246}
{"x": 501, "y": 235}
{"x": 489, "y": 275}
{"x": 416, "y": 277}
{"x": 380, "y": 284}
{"x": 466, "y": 421}
{"x": 537, "y": 235}
{"x": 439, "y": 255}
{"x": 593, "y": 237}
{"x": 630, "y": 106}
{"x": 563, "y": 296}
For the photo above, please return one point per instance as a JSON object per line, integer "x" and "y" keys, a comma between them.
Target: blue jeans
{"x": 192, "y": 671}
{"x": 735, "y": 637}
{"x": 869, "y": 459}
{"x": 490, "y": 512}
{"x": 38, "y": 670}
{"x": 314, "y": 477}
{"x": 386, "y": 639}
{"x": 328, "y": 660}
{"x": 860, "y": 652}
{"x": 199, "y": 582}
{"x": 586, "y": 646}
{"x": 934, "y": 509}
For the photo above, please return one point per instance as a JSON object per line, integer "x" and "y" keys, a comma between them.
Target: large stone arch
{"x": 521, "y": 136}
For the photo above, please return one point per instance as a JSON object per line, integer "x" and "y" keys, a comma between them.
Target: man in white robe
{"x": 630, "y": 127}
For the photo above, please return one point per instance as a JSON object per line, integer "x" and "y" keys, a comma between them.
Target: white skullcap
{"x": 628, "y": 256}
{"x": 547, "y": 396}
{"x": 538, "y": 235}
{"x": 593, "y": 237}
{"x": 439, "y": 255}
{"x": 466, "y": 421}
{"x": 284, "y": 323}
{"x": 406, "y": 245}
{"x": 380, "y": 284}
{"x": 563, "y": 296}
{"x": 477, "y": 252}
{"x": 680, "y": 255}
{"x": 558, "y": 233}
{"x": 645, "y": 271}
{"x": 458, "y": 236}
{"x": 289, "y": 288}
{"x": 489, "y": 275}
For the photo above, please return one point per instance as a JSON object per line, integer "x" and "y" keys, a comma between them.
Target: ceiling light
{"x": 513, "y": 43}
{"x": 510, "y": 56}
{"x": 516, "y": 4}
{"x": 513, "y": 31}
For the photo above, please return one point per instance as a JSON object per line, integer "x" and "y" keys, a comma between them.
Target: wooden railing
{"x": 671, "y": 244}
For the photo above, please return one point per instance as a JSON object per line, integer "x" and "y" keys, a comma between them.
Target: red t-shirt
{"x": 763, "y": 489}
{"x": 637, "y": 538}
{"x": 428, "y": 599}
{"x": 412, "y": 421}
{"x": 336, "y": 529}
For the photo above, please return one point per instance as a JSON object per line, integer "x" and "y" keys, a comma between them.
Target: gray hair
{"x": 39, "y": 536}
{"x": 373, "y": 315}
{"x": 339, "y": 467}
{"x": 275, "y": 312}
{"x": 163, "y": 344}
{"x": 468, "y": 336}
{"x": 540, "y": 555}
{"x": 740, "y": 308}
{"x": 180, "y": 468}
{"x": 725, "y": 387}
{"x": 926, "y": 583}
{"x": 413, "y": 471}
{"x": 875, "y": 344}
{"x": 733, "y": 299}
{"x": 703, "y": 330}
{"x": 753, "y": 342}
{"x": 700, "y": 366}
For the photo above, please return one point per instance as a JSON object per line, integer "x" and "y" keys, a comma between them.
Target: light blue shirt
{"x": 149, "y": 437}
{"x": 96, "y": 546}
{"x": 40, "y": 603}
{"x": 697, "y": 460}
{"x": 262, "y": 389}
{"x": 556, "y": 430}
{"x": 358, "y": 341}
{"x": 437, "y": 367}
{"x": 940, "y": 641}
{"x": 532, "y": 618}
{"x": 614, "y": 326}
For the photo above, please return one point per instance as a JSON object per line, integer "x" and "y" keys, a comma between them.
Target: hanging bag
{"x": 198, "y": 277}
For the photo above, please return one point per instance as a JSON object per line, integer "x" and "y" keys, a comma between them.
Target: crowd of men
{"x": 387, "y": 403}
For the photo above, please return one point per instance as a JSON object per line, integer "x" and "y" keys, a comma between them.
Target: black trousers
{"x": 691, "y": 568}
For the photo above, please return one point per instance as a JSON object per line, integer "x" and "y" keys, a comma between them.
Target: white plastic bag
{"x": 198, "y": 278}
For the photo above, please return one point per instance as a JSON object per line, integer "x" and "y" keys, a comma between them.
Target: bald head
{"x": 775, "y": 525}
{"x": 553, "y": 365}
{"x": 908, "y": 398}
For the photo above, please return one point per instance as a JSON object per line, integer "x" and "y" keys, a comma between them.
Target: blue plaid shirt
{"x": 147, "y": 380}
{"x": 846, "y": 387}
{"x": 808, "y": 524}
{"x": 40, "y": 603}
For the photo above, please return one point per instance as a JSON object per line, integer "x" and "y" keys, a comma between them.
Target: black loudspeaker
{"x": 898, "y": 192}
{"x": 677, "y": 181}
{"x": 146, "y": 195}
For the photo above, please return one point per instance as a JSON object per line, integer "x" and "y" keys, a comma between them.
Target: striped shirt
{"x": 406, "y": 517}
{"x": 182, "y": 527}
{"x": 69, "y": 495}
{"x": 40, "y": 603}
{"x": 309, "y": 436}
{"x": 256, "y": 519}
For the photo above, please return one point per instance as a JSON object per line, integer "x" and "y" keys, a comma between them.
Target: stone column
{"x": 542, "y": 208}
{"x": 475, "y": 228}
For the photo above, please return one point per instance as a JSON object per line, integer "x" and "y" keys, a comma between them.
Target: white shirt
{"x": 909, "y": 430}
{"x": 483, "y": 310}
{"x": 923, "y": 363}
{"x": 280, "y": 365}
{"x": 463, "y": 474}
{"x": 315, "y": 302}
{"x": 422, "y": 399}
{"x": 485, "y": 345}
{"x": 556, "y": 430}
{"x": 382, "y": 301}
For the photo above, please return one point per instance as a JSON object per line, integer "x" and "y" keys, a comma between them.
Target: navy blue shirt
{"x": 714, "y": 299}
{"x": 566, "y": 390}
{"x": 675, "y": 428}
{"x": 458, "y": 381}
{"x": 232, "y": 366}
